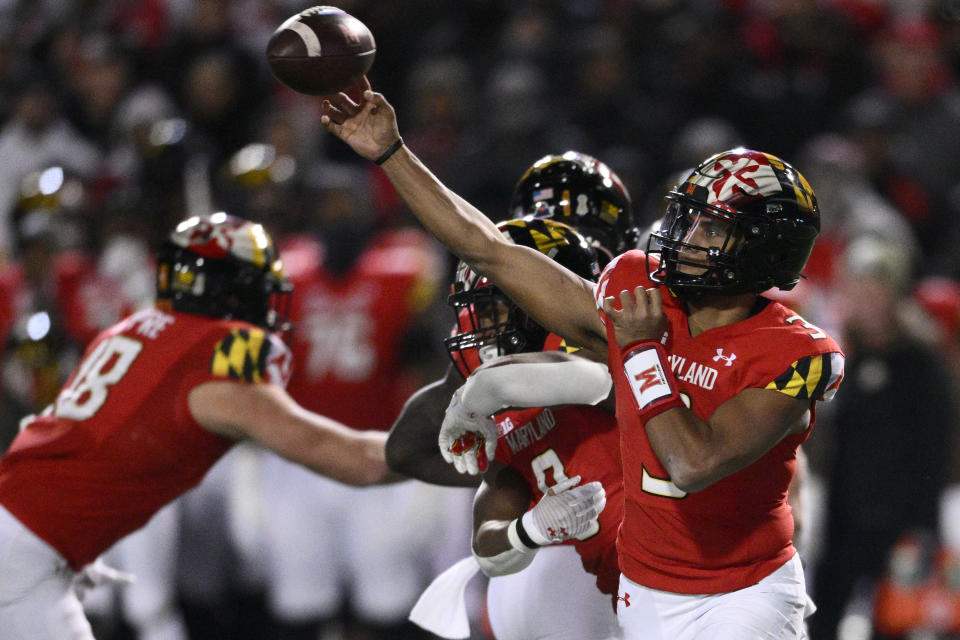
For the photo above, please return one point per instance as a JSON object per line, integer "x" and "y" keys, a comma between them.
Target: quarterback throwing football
{"x": 716, "y": 385}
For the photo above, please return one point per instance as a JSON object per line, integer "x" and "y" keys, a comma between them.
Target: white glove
{"x": 565, "y": 511}
{"x": 467, "y": 440}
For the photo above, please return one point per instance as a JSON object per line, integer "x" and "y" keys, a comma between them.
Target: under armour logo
{"x": 728, "y": 359}
{"x": 625, "y": 599}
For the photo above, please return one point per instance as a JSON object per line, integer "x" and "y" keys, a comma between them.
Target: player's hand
{"x": 368, "y": 126}
{"x": 99, "y": 573}
{"x": 640, "y": 316}
{"x": 565, "y": 511}
{"x": 467, "y": 441}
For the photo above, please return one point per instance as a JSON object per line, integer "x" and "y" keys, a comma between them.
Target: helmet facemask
{"x": 489, "y": 325}
{"x": 698, "y": 249}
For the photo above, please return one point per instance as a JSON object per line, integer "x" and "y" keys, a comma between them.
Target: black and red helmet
{"x": 223, "y": 266}
{"x": 765, "y": 211}
{"x": 489, "y": 324}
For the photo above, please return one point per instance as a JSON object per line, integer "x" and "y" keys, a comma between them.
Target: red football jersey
{"x": 120, "y": 442}
{"x": 549, "y": 445}
{"x": 738, "y": 530}
{"x": 347, "y": 330}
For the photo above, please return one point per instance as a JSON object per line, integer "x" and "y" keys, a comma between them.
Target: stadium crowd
{"x": 119, "y": 118}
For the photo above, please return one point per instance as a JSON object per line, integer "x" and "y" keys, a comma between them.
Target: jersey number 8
{"x": 104, "y": 367}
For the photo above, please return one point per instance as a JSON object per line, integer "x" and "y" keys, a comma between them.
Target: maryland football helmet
{"x": 741, "y": 221}
{"x": 224, "y": 267}
{"x": 489, "y": 324}
{"x": 583, "y": 192}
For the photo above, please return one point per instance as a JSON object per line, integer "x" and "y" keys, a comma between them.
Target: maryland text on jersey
{"x": 521, "y": 436}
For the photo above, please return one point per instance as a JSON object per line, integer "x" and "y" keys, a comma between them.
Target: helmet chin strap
{"x": 488, "y": 353}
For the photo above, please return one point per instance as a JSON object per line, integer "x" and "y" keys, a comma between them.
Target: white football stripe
{"x": 310, "y": 40}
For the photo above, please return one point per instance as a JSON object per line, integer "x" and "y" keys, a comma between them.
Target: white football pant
{"x": 552, "y": 599}
{"x": 772, "y": 609}
{"x": 37, "y": 601}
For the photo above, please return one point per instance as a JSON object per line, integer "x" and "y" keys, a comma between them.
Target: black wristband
{"x": 392, "y": 149}
{"x": 524, "y": 536}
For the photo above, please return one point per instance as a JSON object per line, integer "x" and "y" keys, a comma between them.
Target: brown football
{"x": 321, "y": 50}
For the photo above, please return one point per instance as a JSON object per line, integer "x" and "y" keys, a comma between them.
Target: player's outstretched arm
{"x": 538, "y": 379}
{"x": 268, "y": 415}
{"x": 468, "y": 436}
{"x": 412, "y": 442}
{"x": 555, "y": 297}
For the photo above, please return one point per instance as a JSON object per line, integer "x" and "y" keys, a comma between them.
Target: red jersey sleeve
{"x": 252, "y": 355}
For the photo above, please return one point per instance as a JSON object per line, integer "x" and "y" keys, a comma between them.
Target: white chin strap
{"x": 488, "y": 353}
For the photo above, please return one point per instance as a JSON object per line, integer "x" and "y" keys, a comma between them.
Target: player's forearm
{"x": 686, "y": 447}
{"x": 540, "y": 384}
{"x": 491, "y": 539}
{"x": 456, "y": 223}
{"x": 698, "y": 453}
{"x": 412, "y": 451}
{"x": 556, "y": 298}
{"x": 352, "y": 457}
{"x": 496, "y": 553}
{"x": 411, "y": 447}
{"x": 693, "y": 451}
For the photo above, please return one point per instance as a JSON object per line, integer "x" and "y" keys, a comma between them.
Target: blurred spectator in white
{"x": 37, "y": 135}
{"x": 199, "y": 561}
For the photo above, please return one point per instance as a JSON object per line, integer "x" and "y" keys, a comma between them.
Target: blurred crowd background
{"x": 119, "y": 118}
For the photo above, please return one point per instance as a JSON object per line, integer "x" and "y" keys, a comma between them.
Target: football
{"x": 321, "y": 50}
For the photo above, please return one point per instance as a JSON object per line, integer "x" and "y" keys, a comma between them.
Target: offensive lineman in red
{"x": 556, "y": 469}
{"x": 705, "y": 547}
{"x": 155, "y": 401}
{"x": 539, "y": 451}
